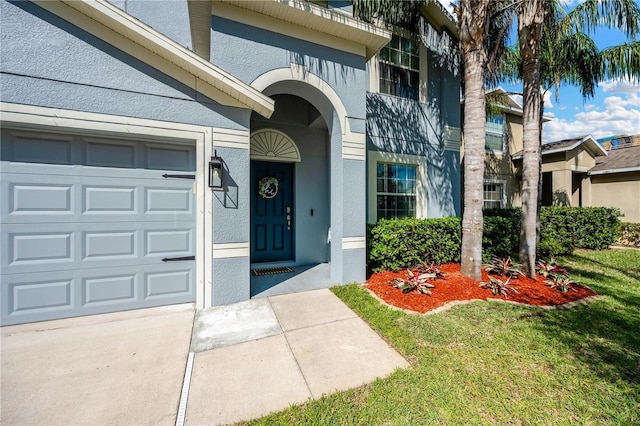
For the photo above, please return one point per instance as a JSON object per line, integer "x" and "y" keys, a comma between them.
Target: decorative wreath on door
{"x": 268, "y": 187}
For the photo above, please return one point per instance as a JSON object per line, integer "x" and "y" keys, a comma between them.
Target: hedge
{"x": 629, "y": 235}
{"x": 398, "y": 244}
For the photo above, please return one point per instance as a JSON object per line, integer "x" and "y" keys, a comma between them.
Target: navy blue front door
{"x": 272, "y": 219}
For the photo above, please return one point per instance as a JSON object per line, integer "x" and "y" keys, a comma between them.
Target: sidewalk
{"x": 249, "y": 359}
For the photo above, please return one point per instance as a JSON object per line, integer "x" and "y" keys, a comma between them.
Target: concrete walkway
{"x": 247, "y": 360}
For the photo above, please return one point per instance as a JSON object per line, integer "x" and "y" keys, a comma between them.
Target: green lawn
{"x": 494, "y": 363}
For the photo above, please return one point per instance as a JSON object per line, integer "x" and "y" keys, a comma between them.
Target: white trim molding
{"x": 306, "y": 21}
{"x": 230, "y": 138}
{"x": 227, "y": 250}
{"x": 351, "y": 243}
{"x": 390, "y": 157}
{"x": 452, "y": 138}
{"x": 353, "y": 144}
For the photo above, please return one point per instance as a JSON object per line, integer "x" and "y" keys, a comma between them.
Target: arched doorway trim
{"x": 300, "y": 73}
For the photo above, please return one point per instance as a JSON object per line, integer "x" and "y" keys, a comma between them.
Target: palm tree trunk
{"x": 530, "y": 19}
{"x": 472, "y": 24}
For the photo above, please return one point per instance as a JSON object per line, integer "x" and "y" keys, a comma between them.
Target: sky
{"x": 615, "y": 108}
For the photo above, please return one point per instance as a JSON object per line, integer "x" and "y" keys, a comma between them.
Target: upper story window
{"x": 494, "y": 133}
{"x": 400, "y": 68}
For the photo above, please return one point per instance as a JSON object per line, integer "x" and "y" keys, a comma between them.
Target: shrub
{"x": 594, "y": 228}
{"x": 629, "y": 235}
{"x": 500, "y": 237}
{"x": 404, "y": 243}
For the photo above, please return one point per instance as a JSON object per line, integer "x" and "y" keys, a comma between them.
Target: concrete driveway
{"x": 245, "y": 360}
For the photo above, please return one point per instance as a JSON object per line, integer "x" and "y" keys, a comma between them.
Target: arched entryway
{"x": 290, "y": 196}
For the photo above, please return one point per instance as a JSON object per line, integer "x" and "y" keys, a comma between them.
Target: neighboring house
{"x": 575, "y": 172}
{"x": 142, "y": 143}
{"x": 579, "y": 172}
{"x": 503, "y": 139}
{"x": 615, "y": 180}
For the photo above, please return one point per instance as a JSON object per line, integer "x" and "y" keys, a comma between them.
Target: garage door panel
{"x": 93, "y": 245}
{"x": 50, "y": 295}
{"x": 87, "y": 224}
{"x": 161, "y": 200}
{"x": 64, "y": 198}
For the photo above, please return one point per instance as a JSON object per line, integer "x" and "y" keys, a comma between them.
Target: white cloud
{"x": 620, "y": 86}
{"x": 547, "y": 99}
{"x": 617, "y": 115}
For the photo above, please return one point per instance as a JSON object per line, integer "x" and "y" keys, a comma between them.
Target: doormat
{"x": 271, "y": 271}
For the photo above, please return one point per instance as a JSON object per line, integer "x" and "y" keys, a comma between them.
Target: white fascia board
{"x": 609, "y": 171}
{"x": 334, "y": 23}
{"x": 155, "y": 42}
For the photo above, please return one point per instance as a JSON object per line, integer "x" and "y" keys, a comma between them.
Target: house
{"x": 615, "y": 179}
{"x": 577, "y": 171}
{"x": 156, "y": 153}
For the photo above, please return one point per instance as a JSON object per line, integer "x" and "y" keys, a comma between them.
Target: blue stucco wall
{"x": 46, "y": 61}
{"x": 403, "y": 126}
{"x": 170, "y": 17}
{"x": 248, "y": 52}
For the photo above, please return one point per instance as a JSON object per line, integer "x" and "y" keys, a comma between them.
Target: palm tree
{"x": 569, "y": 56}
{"x": 481, "y": 30}
{"x": 473, "y": 28}
{"x": 531, "y": 14}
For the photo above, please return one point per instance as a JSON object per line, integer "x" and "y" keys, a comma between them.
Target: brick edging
{"x": 447, "y": 306}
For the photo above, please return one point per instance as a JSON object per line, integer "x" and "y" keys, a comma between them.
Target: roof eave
{"x": 328, "y": 21}
{"x": 126, "y": 26}
{"x": 610, "y": 171}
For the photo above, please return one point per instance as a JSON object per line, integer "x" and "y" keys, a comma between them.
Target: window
{"x": 396, "y": 190}
{"x": 493, "y": 196}
{"x": 400, "y": 68}
{"x": 494, "y": 132}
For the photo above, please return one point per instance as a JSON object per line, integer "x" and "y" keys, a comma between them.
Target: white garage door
{"x": 94, "y": 225}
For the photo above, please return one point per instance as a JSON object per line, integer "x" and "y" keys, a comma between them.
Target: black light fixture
{"x": 215, "y": 171}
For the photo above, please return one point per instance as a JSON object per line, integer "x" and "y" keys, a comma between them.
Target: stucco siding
{"x": 618, "y": 190}
{"x": 62, "y": 66}
{"x": 247, "y": 52}
{"x": 170, "y": 17}
{"x": 403, "y": 126}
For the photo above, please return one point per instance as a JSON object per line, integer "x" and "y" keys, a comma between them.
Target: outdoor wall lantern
{"x": 215, "y": 172}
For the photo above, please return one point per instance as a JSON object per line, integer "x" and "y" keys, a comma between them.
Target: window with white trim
{"x": 400, "y": 68}
{"x": 494, "y": 133}
{"x": 395, "y": 190}
{"x": 493, "y": 196}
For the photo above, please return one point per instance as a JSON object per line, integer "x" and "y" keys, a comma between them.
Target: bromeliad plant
{"x": 503, "y": 267}
{"x": 550, "y": 269}
{"x": 499, "y": 287}
{"x": 563, "y": 283}
{"x": 432, "y": 270}
{"x": 419, "y": 280}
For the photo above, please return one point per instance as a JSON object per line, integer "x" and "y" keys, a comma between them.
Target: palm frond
{"x": 621, "y": 61}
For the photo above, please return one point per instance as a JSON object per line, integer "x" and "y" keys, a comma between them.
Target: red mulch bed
{"x": 455, "y": 287}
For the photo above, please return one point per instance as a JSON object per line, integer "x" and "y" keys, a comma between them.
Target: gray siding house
{"x": 157, "y": 152}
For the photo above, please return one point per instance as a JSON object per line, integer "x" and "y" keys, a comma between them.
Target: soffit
{"x": 198, "y": 71}
{"x": 327, "y": 23}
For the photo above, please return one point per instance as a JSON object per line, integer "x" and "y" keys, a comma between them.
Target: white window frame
{"x": 502, "y": 135}
{"x": 502, "y": 183}
{"x": 374, "y": 67}
{"x": 420, "y": 162}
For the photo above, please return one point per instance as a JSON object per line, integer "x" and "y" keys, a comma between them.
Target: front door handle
{"x": 288, "y": 218}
